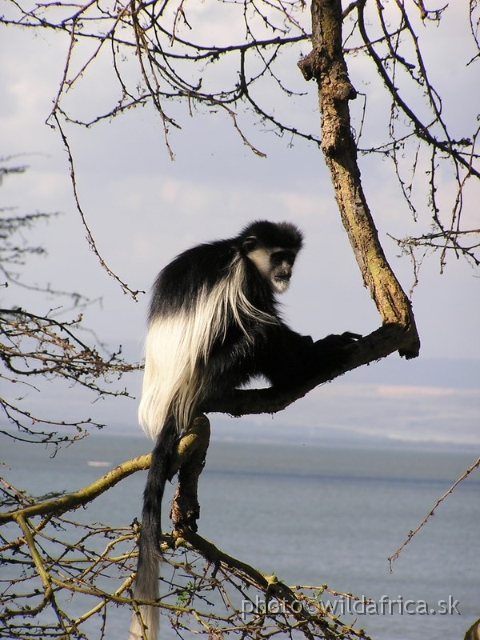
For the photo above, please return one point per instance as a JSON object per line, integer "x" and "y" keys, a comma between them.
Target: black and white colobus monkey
{"x": 213, "y": 325}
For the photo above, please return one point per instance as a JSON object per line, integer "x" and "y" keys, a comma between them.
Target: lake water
{"x": 311, "y": 515}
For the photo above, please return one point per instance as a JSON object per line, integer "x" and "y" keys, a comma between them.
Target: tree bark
{"x": 326, "y": 64}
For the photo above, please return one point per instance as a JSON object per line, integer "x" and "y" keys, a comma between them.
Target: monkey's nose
{"x": 285, "y": 274}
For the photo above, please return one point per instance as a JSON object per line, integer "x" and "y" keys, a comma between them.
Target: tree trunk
{"x": 326, "y": 64}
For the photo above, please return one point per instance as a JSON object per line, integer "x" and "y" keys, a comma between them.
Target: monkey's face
{"x": 275, "y": 265}
{"x": 281, "y": 261}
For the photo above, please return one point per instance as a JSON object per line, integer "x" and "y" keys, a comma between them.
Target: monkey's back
{"x": 195, "y": 270}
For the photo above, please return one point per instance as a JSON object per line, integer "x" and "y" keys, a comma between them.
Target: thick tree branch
{"x": 60, "y": 505}
{"x": 327, "y": 65}
{"x": 377, "y": 345}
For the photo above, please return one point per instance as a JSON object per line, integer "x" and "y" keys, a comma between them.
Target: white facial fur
{"x": 262, "y": 259}
{"x": 280, "y": 286}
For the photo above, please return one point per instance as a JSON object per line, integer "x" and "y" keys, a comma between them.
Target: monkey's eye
{"x": 279, "y": 257}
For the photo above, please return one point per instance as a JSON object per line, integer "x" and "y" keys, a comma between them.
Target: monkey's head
{"x": 272, "y": 248}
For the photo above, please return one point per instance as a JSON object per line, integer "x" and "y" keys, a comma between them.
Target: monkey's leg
{"x": 189, "y": 460}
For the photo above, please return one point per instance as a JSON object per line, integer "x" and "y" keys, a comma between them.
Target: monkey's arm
{"x": 290, "y": 358}
{"x": 283, "y": 356}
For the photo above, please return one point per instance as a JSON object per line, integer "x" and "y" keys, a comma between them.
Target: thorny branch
{"x": 89, "y": 235}
{"x": 36, "y": 349}
{"x": 158, "y": 57}
{"x": 430, "y": 136}
{"x": 71, "y": 577}
{"x": 158, "y": 54}
{"x": 391, "y": 559}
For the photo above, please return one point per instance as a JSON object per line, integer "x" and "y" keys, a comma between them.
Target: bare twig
{"x": 391, "y": 559}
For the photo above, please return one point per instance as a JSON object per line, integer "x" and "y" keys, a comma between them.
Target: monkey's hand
{"x": 331, "y": 350}
{"x": 344, "y": 339}
{"x": 292, "y": 358}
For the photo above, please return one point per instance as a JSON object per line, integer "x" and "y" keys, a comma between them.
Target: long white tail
{"x": 144, "y": 622}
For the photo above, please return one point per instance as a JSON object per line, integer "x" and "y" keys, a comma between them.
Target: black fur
{"x": 252, "y": 341}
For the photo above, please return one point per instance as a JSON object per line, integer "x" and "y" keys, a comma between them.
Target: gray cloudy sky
{"x": 143, "y": 209}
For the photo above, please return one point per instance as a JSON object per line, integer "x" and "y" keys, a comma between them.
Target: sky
{"x": 143, "y": 209}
